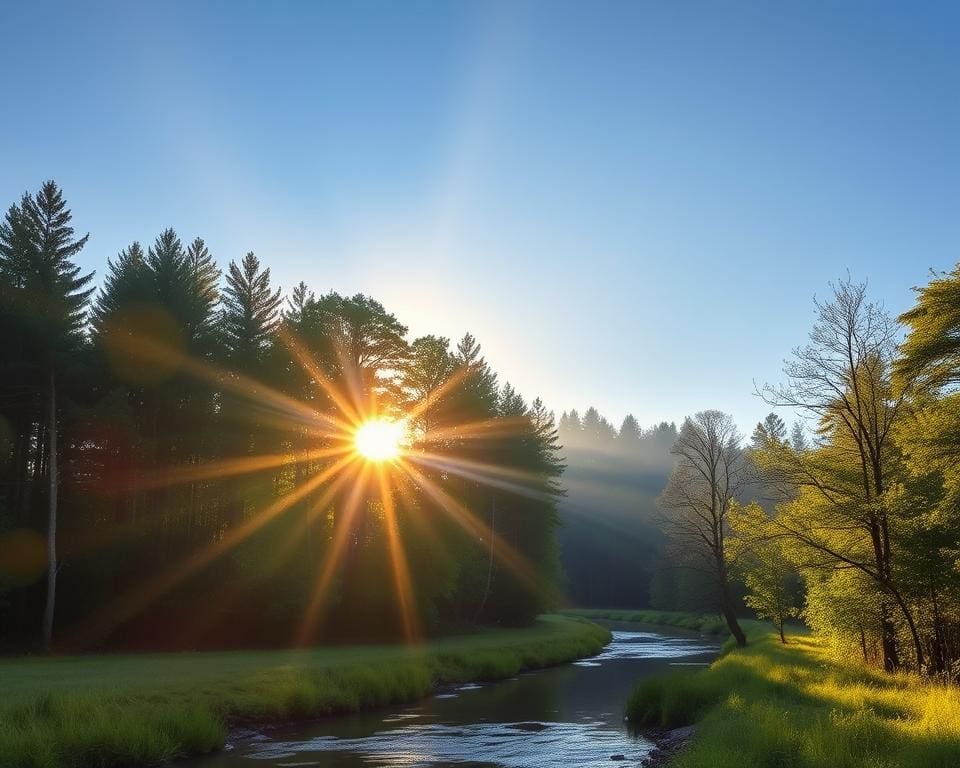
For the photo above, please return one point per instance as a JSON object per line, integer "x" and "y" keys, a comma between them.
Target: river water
{"x": 571, "y": 715}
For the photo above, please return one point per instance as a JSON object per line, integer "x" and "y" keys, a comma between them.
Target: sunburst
{"x": 379, "y": 439}
{"x": 367, "y": 453}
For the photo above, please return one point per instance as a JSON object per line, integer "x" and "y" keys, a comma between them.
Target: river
{"x": 571, "y": 715}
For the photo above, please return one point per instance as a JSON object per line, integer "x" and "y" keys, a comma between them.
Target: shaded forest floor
{"x": 797, "y": 706}
{"x": 126, "y": 710}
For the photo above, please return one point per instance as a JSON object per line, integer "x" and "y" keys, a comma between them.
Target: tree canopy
{"x": 185, "y": 438}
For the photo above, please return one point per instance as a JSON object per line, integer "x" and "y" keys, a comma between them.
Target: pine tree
{"x": 125, "y": 284}
{"x": 203, "y": 278}
{"x": 928, "y": 368}
{"x": 571, "y": 429}
{"x": 770, "y": 430}
{"x": 251, "y": 311}
{"x": 42, "y": 247}
{"x": 628, "y": 438}
{"x": 798, "y": 437}
{"x": 297, "y": 302}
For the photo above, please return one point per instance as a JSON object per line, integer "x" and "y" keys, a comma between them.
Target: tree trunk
{"x": 888, "y": 641}
{"x": 51, "y": 515}
{"x": 911, "y": 625}
{"x": 938, "y": 660}
{"x": 734, "y": 625}
{"x": 486, "y": 590}
{"x": 783, "y": 638}
{"x": 726, "y": 604}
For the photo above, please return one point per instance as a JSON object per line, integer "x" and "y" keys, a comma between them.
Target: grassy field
{"x": 795, "y": 706}
{"x": 710, "y": 625}
{"x": 128, "y": 710}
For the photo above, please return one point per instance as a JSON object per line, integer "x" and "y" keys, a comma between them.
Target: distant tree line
{"x": 168, "y": 456}
{"x": 611, "y": 547}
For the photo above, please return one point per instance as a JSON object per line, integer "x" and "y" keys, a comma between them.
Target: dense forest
{"x": 176, "y": 463}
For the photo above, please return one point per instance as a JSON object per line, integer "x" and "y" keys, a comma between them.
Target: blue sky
{"x": 630, "y": 204}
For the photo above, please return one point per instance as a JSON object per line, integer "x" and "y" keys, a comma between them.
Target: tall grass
{"x": 127, "y": 710}
{"x": 708, "y": 625}
{"x": 795, "y": 706}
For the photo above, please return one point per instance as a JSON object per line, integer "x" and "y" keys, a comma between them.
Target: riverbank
{"x": 708, "y": 625}
{"x": 126, "y": 710}
{"x": 796, "y": 706}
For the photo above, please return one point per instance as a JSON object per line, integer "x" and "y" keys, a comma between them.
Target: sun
{"x": 378, "y": 439}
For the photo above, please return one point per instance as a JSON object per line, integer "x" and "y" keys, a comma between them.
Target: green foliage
{"x": 770, "y": 430}
{"x": 770, "y": 577}
{"x": 860, "y": 500}
{"x": 930, "y": 354}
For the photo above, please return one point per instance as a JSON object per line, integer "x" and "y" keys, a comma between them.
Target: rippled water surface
{"x": 564, "y": 716}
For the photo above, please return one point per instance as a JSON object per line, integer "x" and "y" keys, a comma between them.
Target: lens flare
{"x": 378, "y": 440}
{"x": 356, "y": 464}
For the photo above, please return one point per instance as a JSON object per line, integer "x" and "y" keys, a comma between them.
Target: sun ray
{"x": 301, "y": 526}
{"x": 478, "y": 430}
{"x": 489, "y": 474}
{"x": 143, "y": 348}
{"x": 342, "y": 530}
{"x": 504, "y": 551}
{"x": 134, "y": 599}
{"x": 357, "y": 440}
{"x": 304, "y": 357}
{"x": 172, "y": 476}
{"x": 449, "y": 383}
{"x": 398, "y": 560}
{"x": 232, "y": 467}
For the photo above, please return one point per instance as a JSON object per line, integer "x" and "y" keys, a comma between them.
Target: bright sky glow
{"x": 630, "y": 204}
{"x": 378, "y": 440}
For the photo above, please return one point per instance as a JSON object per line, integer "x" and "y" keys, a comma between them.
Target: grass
{"x": 124, "y": 710}
{"x": 796, "y": 706}
{"x": 709, "y": 625}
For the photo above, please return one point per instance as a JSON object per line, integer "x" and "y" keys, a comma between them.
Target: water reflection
{"x": 570, "y": 715}
{"x": 649, "y": 645}
{"x": 509, "y": 745}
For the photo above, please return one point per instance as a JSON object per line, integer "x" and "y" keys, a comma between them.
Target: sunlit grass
{"x": 796, "y": 706}
{"x": 123, "y": 710}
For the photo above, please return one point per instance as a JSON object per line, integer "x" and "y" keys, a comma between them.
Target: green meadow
{"x": 120, "y": 710}
{"x": 798, "y": 706}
